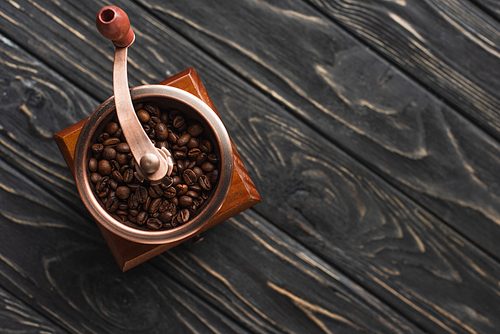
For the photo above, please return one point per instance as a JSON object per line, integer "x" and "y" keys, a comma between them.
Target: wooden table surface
{"x": 370, "y": 128}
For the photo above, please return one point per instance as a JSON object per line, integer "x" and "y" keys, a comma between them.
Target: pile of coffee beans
{"x": 164, "y": 204}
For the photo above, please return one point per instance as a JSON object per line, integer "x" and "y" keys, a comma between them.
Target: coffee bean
{"x": 190, "y": 164}
{"x": 97, "y": 149}
{"x": 185, "y": 201}
{"x": 117, "y": 176}
{"x": 195, "y": 129}
{"x": 170, "y": 192}
{"x": 132, "y": 219}
{"x": 202, "y": 157}
{"x": 146, "y": 204}
{"x": 154, "y": 223}
{"x": 194, "y": 153}
{"x": 180, "y": 166}
{"x": 141, "y": 194}
{"x": 193, "y": 142}
{"x": 95, "y": 177}
{"x": 122, "y": 192}
{"x": 155, "y": 191}
{"x": 175, "y": 202}
{"x": 114, "y": 165}
{"x": 212, "y": 158}
{"x": 183, "y": 216}
{"x": 192, "y": 194}
{"x": 162, "y": 144}
{"x": 93, "y": 165}
{"x": 196, "y": 187}
{"x": 207, "y": 166}
{"x": 167, "y": 182}
{"x": 198, "y": 171}
{"x": 176, "y": 180}
{"x": 111, "y": 128}
{"x": 104, "y": 167}
{"x": 142, "y": 217}
{"x": 123, "y": 206}
{"x": 205, "y": 182}
{"x": 184, "y": 139}
{"x": 155, "y": 204}
{"x": 143, "y": 115}
{"x": 133, "y": 212}
{"x": 132, "y": 202}
{"x": 152, "y": 109}
{"x": 102, "y": 137}
{"x": 181, "y": 189}
{"x": 172, "y": 137}
{"x": 112, "y": 204}
{"x": 111, "y": 142}
{"x": 179, "y": 155}
{"x": 113, "y": 184}
{"x": 161, "y": 131}
{"x": 178, "y": 121}
{"x": 214, "y": 175}
{"x": 128, "y": 175}
{"x": 123, "y": 147}
{"x": 102, "y": 184}
{"x": 189, "y": 177}
{"x": 122, "y": 158}
{"x": 165, "y": 216}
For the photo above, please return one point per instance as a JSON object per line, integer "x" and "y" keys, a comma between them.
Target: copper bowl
{"x": 166, "y": 97}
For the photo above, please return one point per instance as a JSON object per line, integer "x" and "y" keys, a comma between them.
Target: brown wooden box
{"x": 242, "y": 193}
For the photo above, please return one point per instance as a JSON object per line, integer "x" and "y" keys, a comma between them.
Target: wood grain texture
{"x": 17, "y": 317}
{"x": 357, "y": 100}
{"x": 324, "y": 198}
{"x": 490, "y": 6}
{"x": 296, "y": 282}
{"x": 460, "y": 63}
{"x": 55, "y": 260}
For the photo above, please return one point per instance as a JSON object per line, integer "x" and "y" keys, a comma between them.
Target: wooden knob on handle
{"x": 113, "y": 23}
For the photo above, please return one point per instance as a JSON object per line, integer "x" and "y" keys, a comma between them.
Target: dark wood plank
{"x": 490, "y": 6}
{"x": 341, "y": 210}
{"x": 66, "y": 272}
{"x": 359, "y": 101}
{"x": 57, "y": 262}
{"x": 450, "y": 46}
{"x": 17, "y": 317}
{"x": 296, "y": 293}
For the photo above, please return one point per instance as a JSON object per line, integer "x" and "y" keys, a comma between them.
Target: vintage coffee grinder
{"x": 234, "y": 192}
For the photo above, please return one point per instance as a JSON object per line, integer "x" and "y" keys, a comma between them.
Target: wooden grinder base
{"x": 242, "y": 193}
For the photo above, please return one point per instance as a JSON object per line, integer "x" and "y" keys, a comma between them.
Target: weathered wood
{"x": 328, "y": 201}
{"x": 490, "y": 6}
{"x": 357, "y": 100}
{"x": 460, "y": 63}
{"x": 55, "y": 260}
{"x": 297, "y": 293}
{"x": 17, "y": 317}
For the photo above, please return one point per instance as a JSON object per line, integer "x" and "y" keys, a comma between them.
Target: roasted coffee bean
{"x": 202, "y": 157}
{"x": 123, "y": 147}
{"x": 133, "y": 212}
{"x": 189, "y": 177}
{"x": 154, "y": 223}
{"x": 185, "y": 201}
{"x": 122, "y": 213}
{"x": 93, "y": 165}
{"x": 205, "y": 182}
{"x": 192, "y": 194}
{"x": 152, "y": 133}
{"x": 172, "y": 137}
{"x": 193, "y": 142}
{"x": 111, "y": 128}
{"x": 154, "y": 206}
{"x": 102, "y": 137}
{"x": 97, "y": 150}
{"x": 118, "y": 134}
{"x": 152, "y": 109}
{"x": 161, "y": 131}
{"x": 111, "y": 142}
{"x": 116, "y": 175}
{"x": 195, "y": 129}
{"x": 176, "y": 147}
{"x": 179, "y": 155}
{"x": 122, "y": 158}
{"x": 95, "y": 177}
{"x": 165, "y": 216}
{"x": 212, "y": 158}
{"x": 128, "y": 175}
{"x": 176, "y": 180}
{"x": 155, "y": 191}
{"x": 164, "y": 206}
{"x": 132, "y": 202}
{"x": 193, "y": 153}
{"x": 196, "y": 187}
{"x": 114, "y": 165}
{"x": 180, "y": 166}
{"x": 123, "y": 206}
{"x": 198, "y": 171}
{"x": 178, "y": 121}
{"x": 123, "y": 192}
{"x": 146, "y": 204}
{"x": 207, "y": 167}
{"x": 112, "y": 204}
{"x": 175, "y": 202}
{"x": 170, "y": 192}
{"x": 142, "y": 217}
{"x": 143, "y": 115}
{"x": 204, "y": 195}
{"x": 183, "y": 216}
{"x": 214, "y": 175}
{"x": 181, "y": 189}
{"x": 146, "y": 128}
{"x": 132, "y": 219}
{"x": 102, "y": 184}
{"x": 167, "y": 182}
{"x": 113, "y": 184}
{"x": 184, "y": 139}
{"x": 141, "y": 194}
{"x": 103, "y": 193}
